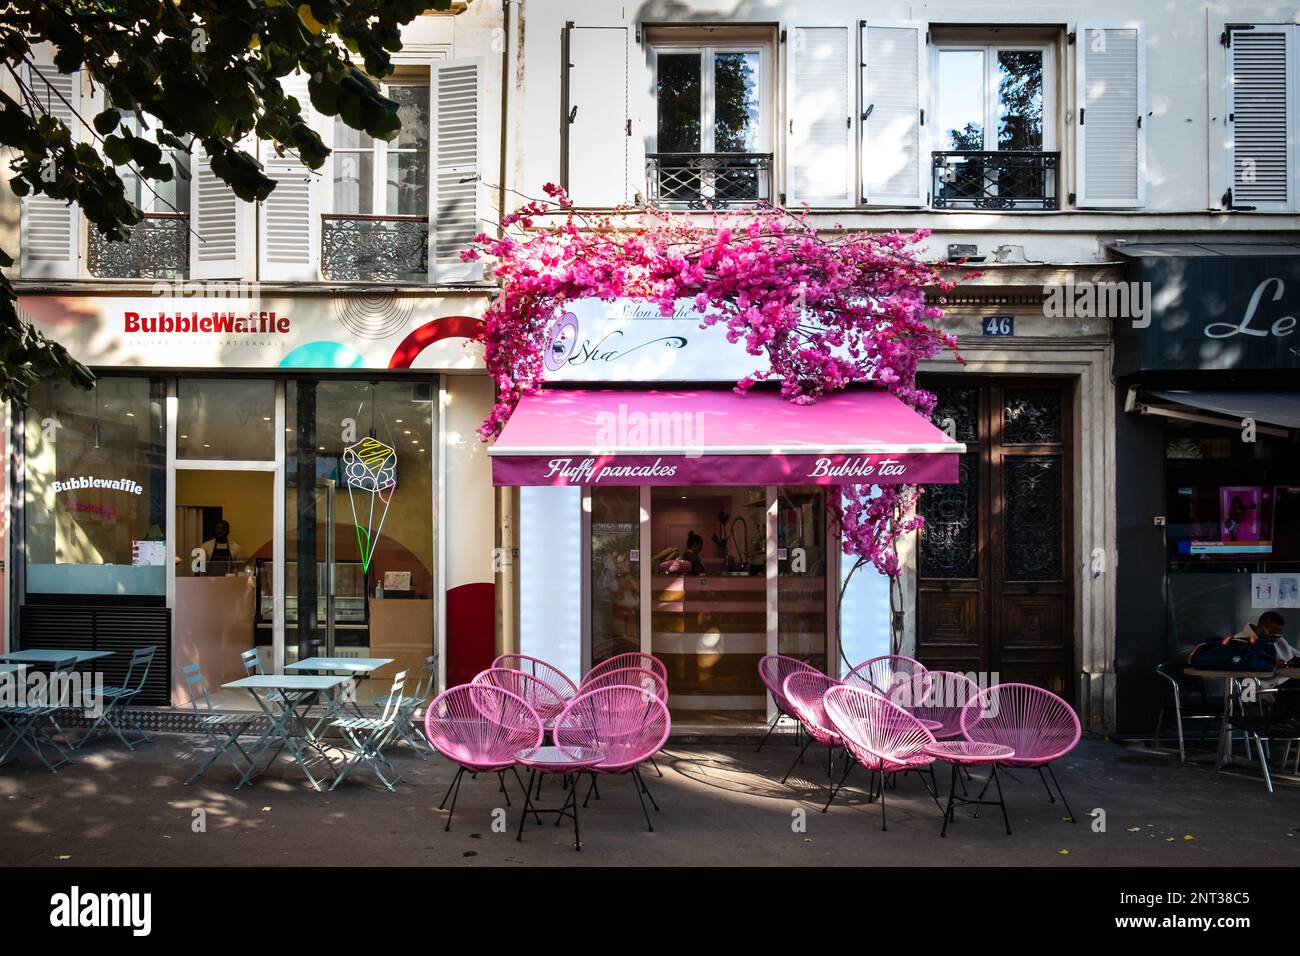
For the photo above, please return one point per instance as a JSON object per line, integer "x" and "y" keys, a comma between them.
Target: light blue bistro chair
{"x": 23, "y": 722}
{"x": 409, "y": 725}
{"x": 214, "y": 724}
{"x": 368, "y": 736}
{"x": 116, "y": 700}
{"x": 253, "y": 667}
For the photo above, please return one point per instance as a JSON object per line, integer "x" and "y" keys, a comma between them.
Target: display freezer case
{"x": 350, "y": 608}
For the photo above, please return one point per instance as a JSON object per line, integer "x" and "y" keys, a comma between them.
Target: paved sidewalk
{"x": 722, "y": 805}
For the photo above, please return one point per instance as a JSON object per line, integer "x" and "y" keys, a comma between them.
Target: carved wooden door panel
{"x": 994, "y": 590}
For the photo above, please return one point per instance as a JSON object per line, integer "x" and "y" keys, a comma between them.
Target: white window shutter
{"x": 454, "y": 217}
{"x": 219, "y": 223}
{"x": 895, "y": 166}
{"x": 597, "y": 122}
{"x": 50, "y": 229}
{"x": 1110, "y": 126}
{"x": 289, "y": 219}
{"x": 819, "y": 107}
{"x": 1259, "y": 118}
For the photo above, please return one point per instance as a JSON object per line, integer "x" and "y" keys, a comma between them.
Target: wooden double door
{"x": 994, "y": 587}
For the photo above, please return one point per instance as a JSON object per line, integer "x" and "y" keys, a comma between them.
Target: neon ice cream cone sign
{"x": 369, "y": 468}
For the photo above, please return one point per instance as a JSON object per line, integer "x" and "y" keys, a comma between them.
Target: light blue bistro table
{"x": 48, "y": 656}
{"x": 287, "y": 724}
{"x": 45, "y": 655}
{"x": 26, "y": 726}
{"x": 354, "y": 668}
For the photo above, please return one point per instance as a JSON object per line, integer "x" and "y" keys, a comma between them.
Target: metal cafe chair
{"x": 409, "y": 704}
{"x": 24, "y": 722}
{"x": 116, "y": 699}
{"x": 232, "y": 724}
{"x": 1279, "y": 722}
{"x": 368, "y": 736}
{"x": 1188, "y": 702}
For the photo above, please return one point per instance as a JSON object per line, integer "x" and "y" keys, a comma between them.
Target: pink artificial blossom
{"x": 826, "y": 311}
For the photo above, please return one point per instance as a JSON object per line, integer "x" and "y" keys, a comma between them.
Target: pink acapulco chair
{"x": 630, "y": 677}
{"x": 646, "y": 662}
{"x": 1039, "y": 726}
{"x": 480, "y": 728}
{"x": 938, "y": 696}
{"x": 882, "y": 736}
{"x": 882, "y": 674}
{"x": 805, "y": 692}
{"x": 627, "y": 724}
{"x": 773, "y": 669}
{"x": 538, "y": 668}
{"x": 546, "y": 700}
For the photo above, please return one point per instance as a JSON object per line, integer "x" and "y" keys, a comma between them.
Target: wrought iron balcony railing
{"x": 375, "y": 248}
{"x": 708, "y": 180}
{"x": 1009, "y": 179}
{"x": 158, "y": 248}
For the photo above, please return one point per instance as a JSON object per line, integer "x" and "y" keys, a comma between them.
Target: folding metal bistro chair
{"x": 369, "y": 735}
{"x": 115, "y": 715}
{"x": 24, "y": 721}
{"x": 410, "y": 707}
{"x": 232, "y": 724}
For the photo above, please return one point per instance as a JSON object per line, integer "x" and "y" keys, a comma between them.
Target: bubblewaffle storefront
{"x": 279, "y": 471}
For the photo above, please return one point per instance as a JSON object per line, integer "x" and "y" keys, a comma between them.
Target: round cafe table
{"x": 960, "y": 753}
{"x": 569, "y": 761}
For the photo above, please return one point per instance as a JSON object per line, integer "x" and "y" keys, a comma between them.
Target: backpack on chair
{"x": 1233, "y": 654}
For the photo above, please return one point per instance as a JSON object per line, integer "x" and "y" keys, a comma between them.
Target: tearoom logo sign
{"x": 627, "y": 340}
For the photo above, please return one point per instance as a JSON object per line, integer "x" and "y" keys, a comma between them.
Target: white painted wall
{"x": 1185, "y": 125}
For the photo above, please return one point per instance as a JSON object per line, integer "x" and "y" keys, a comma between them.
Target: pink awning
{"x": 714, "y": 437}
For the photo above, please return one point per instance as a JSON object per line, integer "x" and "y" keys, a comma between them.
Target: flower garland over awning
{"x": 826, "y": 309}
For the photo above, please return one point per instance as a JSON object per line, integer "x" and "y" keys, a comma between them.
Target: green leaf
{"x": 107, "y": 121}
{"x": 117, "y": 149}
{"x": 143, "y": 152}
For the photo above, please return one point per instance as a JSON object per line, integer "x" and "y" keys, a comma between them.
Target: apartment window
{"x": 994, "y": 115}
{"x": 1261, "y": 117}
{"x": 159, "y": 245}
{"x": 378, "y": 227}
{"x": 377, "y": 178}
{"x": 709, "y": 145}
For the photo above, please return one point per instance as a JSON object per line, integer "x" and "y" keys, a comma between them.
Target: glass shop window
{"x": 94, "y": 497}
{"x": 1232, "y": 532}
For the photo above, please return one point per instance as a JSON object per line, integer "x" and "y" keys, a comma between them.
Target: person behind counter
{"x": 692, "y": 553}
{"x": 222, "y": 554}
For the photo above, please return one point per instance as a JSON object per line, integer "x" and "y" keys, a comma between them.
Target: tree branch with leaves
{"x": 193, "y": 74}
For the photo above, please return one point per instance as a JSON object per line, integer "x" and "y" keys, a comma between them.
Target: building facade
{"x": 1036, "y": 143}
{"x": 1032, "y": 140}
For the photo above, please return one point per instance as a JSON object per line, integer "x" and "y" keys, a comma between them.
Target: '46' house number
{"x": 1000, "y": 325}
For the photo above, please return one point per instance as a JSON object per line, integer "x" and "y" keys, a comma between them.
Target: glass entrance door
{"x": 359, "y": 575}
